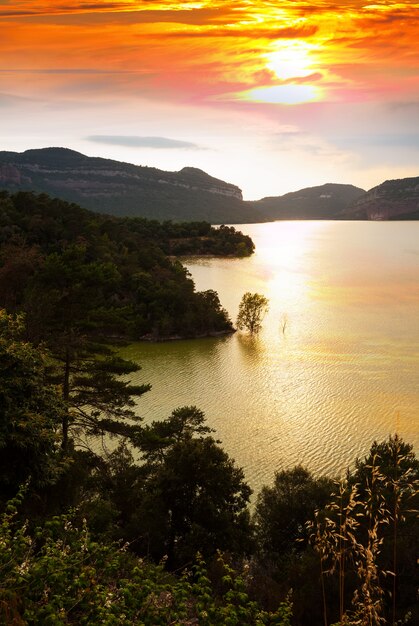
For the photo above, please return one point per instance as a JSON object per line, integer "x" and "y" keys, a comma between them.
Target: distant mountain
{"x": 322, "y": 202}
{"x": 124, "y": 189}
{"x": 392, "y": 200}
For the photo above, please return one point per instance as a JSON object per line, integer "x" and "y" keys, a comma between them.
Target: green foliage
{"x": 59, "y": 575}
{"x": 252, "y": 310}
{"x": 196, "y": 238}
{"x": 30, "y": 412}
{"x": 87, "y": 281}
{"x": 187, "y": 496}
{"x": 113, "y": 275}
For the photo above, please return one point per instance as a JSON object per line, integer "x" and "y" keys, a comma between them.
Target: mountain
{"x": 124, "y": 189}
{"x": 322, "y": 202}
{"x": 392, "y": 200}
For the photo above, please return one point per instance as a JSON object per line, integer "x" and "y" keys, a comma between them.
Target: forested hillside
{"x": 110, "y": 274}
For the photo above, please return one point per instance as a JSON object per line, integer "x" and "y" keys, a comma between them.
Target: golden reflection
{"x": 251, "y": 348}
{"x": 366, "y": 293}
{"x": 286, "y": 245}
{"x": 286, "y": 248}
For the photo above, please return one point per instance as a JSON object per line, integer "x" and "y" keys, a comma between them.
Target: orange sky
{"x": 272, "y": 96}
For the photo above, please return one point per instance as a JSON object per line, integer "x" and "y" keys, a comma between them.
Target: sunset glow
{"x": 226, "y": 77}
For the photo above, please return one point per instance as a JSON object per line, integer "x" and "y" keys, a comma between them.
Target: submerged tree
{"x": 252, "y": 309}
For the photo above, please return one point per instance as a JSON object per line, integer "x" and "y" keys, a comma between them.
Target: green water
{"x": 336, "y": 364}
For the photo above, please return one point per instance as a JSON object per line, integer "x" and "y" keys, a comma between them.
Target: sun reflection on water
{"x": 342, "y": 372}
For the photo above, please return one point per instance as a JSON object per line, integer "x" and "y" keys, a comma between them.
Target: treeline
{"x": 194, "y": 238}
{"x": 57, "y": 258}
{"x": 159, "y": 531}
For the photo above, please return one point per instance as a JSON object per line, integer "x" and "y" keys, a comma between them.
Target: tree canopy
{"x": 252, "y": 309}
{"x": 53, "y": 251}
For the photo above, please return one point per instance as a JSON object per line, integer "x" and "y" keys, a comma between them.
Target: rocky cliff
{"x": 124, "y": 189}
{"x": 392, "y": 200}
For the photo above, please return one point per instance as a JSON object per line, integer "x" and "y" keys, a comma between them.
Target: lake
{"x": 336, "y": 364}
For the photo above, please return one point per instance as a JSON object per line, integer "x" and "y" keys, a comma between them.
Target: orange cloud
{"x": 195, "y": 50}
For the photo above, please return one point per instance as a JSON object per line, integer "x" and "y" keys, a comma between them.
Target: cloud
{"x": 27, "y": 9}
{"x": 161, "y": 143}
{"x": 75, "y": 70}
{"x": 383, "y": 140}
{"x": 248, "y": 33}
{"x": 124, "y": 12}
{"x": 10, "y": 100}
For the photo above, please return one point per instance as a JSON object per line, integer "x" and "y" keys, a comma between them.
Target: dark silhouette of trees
{"x": 30, "y": 413}
{"x": 194, "y": 497}
{"x": 282, "y": 511}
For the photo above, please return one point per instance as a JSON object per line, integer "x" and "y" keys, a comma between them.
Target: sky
{"x": 272, "y": 96}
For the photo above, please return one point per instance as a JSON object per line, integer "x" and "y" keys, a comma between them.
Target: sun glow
{"x": 284, "y": 94}
{"x": 292, "y": 60}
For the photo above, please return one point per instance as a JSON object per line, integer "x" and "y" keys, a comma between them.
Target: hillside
{"x": 51, "y": 250}
{"x": 124, "y": 189}
{"x": 392, "y": 200}
{"x": 322, "y": 202}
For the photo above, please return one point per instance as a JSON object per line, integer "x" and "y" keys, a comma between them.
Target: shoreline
{"x": 216, "y": 333}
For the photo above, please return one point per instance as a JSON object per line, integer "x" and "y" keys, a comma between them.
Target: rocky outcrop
{"x": 124, "y": 189}
{"x": 392, "y": 200}
{"x": 10, "y": 174}
{"x": 197, "y": 179}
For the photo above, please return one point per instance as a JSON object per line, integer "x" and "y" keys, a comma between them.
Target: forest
{"x": 111, "y": 276}
{"x": 108, "y": 520}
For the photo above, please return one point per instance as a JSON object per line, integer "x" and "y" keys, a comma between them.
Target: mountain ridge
{"x": 190, "y": 194}
{"x": 318, "y": 202}
{"x": 119, "y": 188}
{"x": 393, "y": 199}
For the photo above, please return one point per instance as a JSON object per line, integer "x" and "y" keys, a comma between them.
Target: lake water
{"x": 343, "y": 372}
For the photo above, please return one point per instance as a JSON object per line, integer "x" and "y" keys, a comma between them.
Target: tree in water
{"x": 252, "y": 309}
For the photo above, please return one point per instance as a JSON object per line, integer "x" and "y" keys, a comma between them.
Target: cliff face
{"x": 393, "y": 199}
{"x": 322, "y": 202}
{"x": 124, "y": 189}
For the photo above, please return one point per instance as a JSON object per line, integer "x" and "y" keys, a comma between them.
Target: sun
{"x": 293, "y": 59}
{"x": 291, "y": 62}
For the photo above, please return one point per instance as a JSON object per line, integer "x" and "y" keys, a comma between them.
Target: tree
{"x": 283, "y": 510}
{"x": 252, "y": 309}
{"x": 194, "y": 497}
{"x": 30, "y": 413}
{"x": 67, "y": 310}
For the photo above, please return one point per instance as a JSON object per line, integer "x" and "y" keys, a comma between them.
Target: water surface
{"x": 336, "y": 364}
